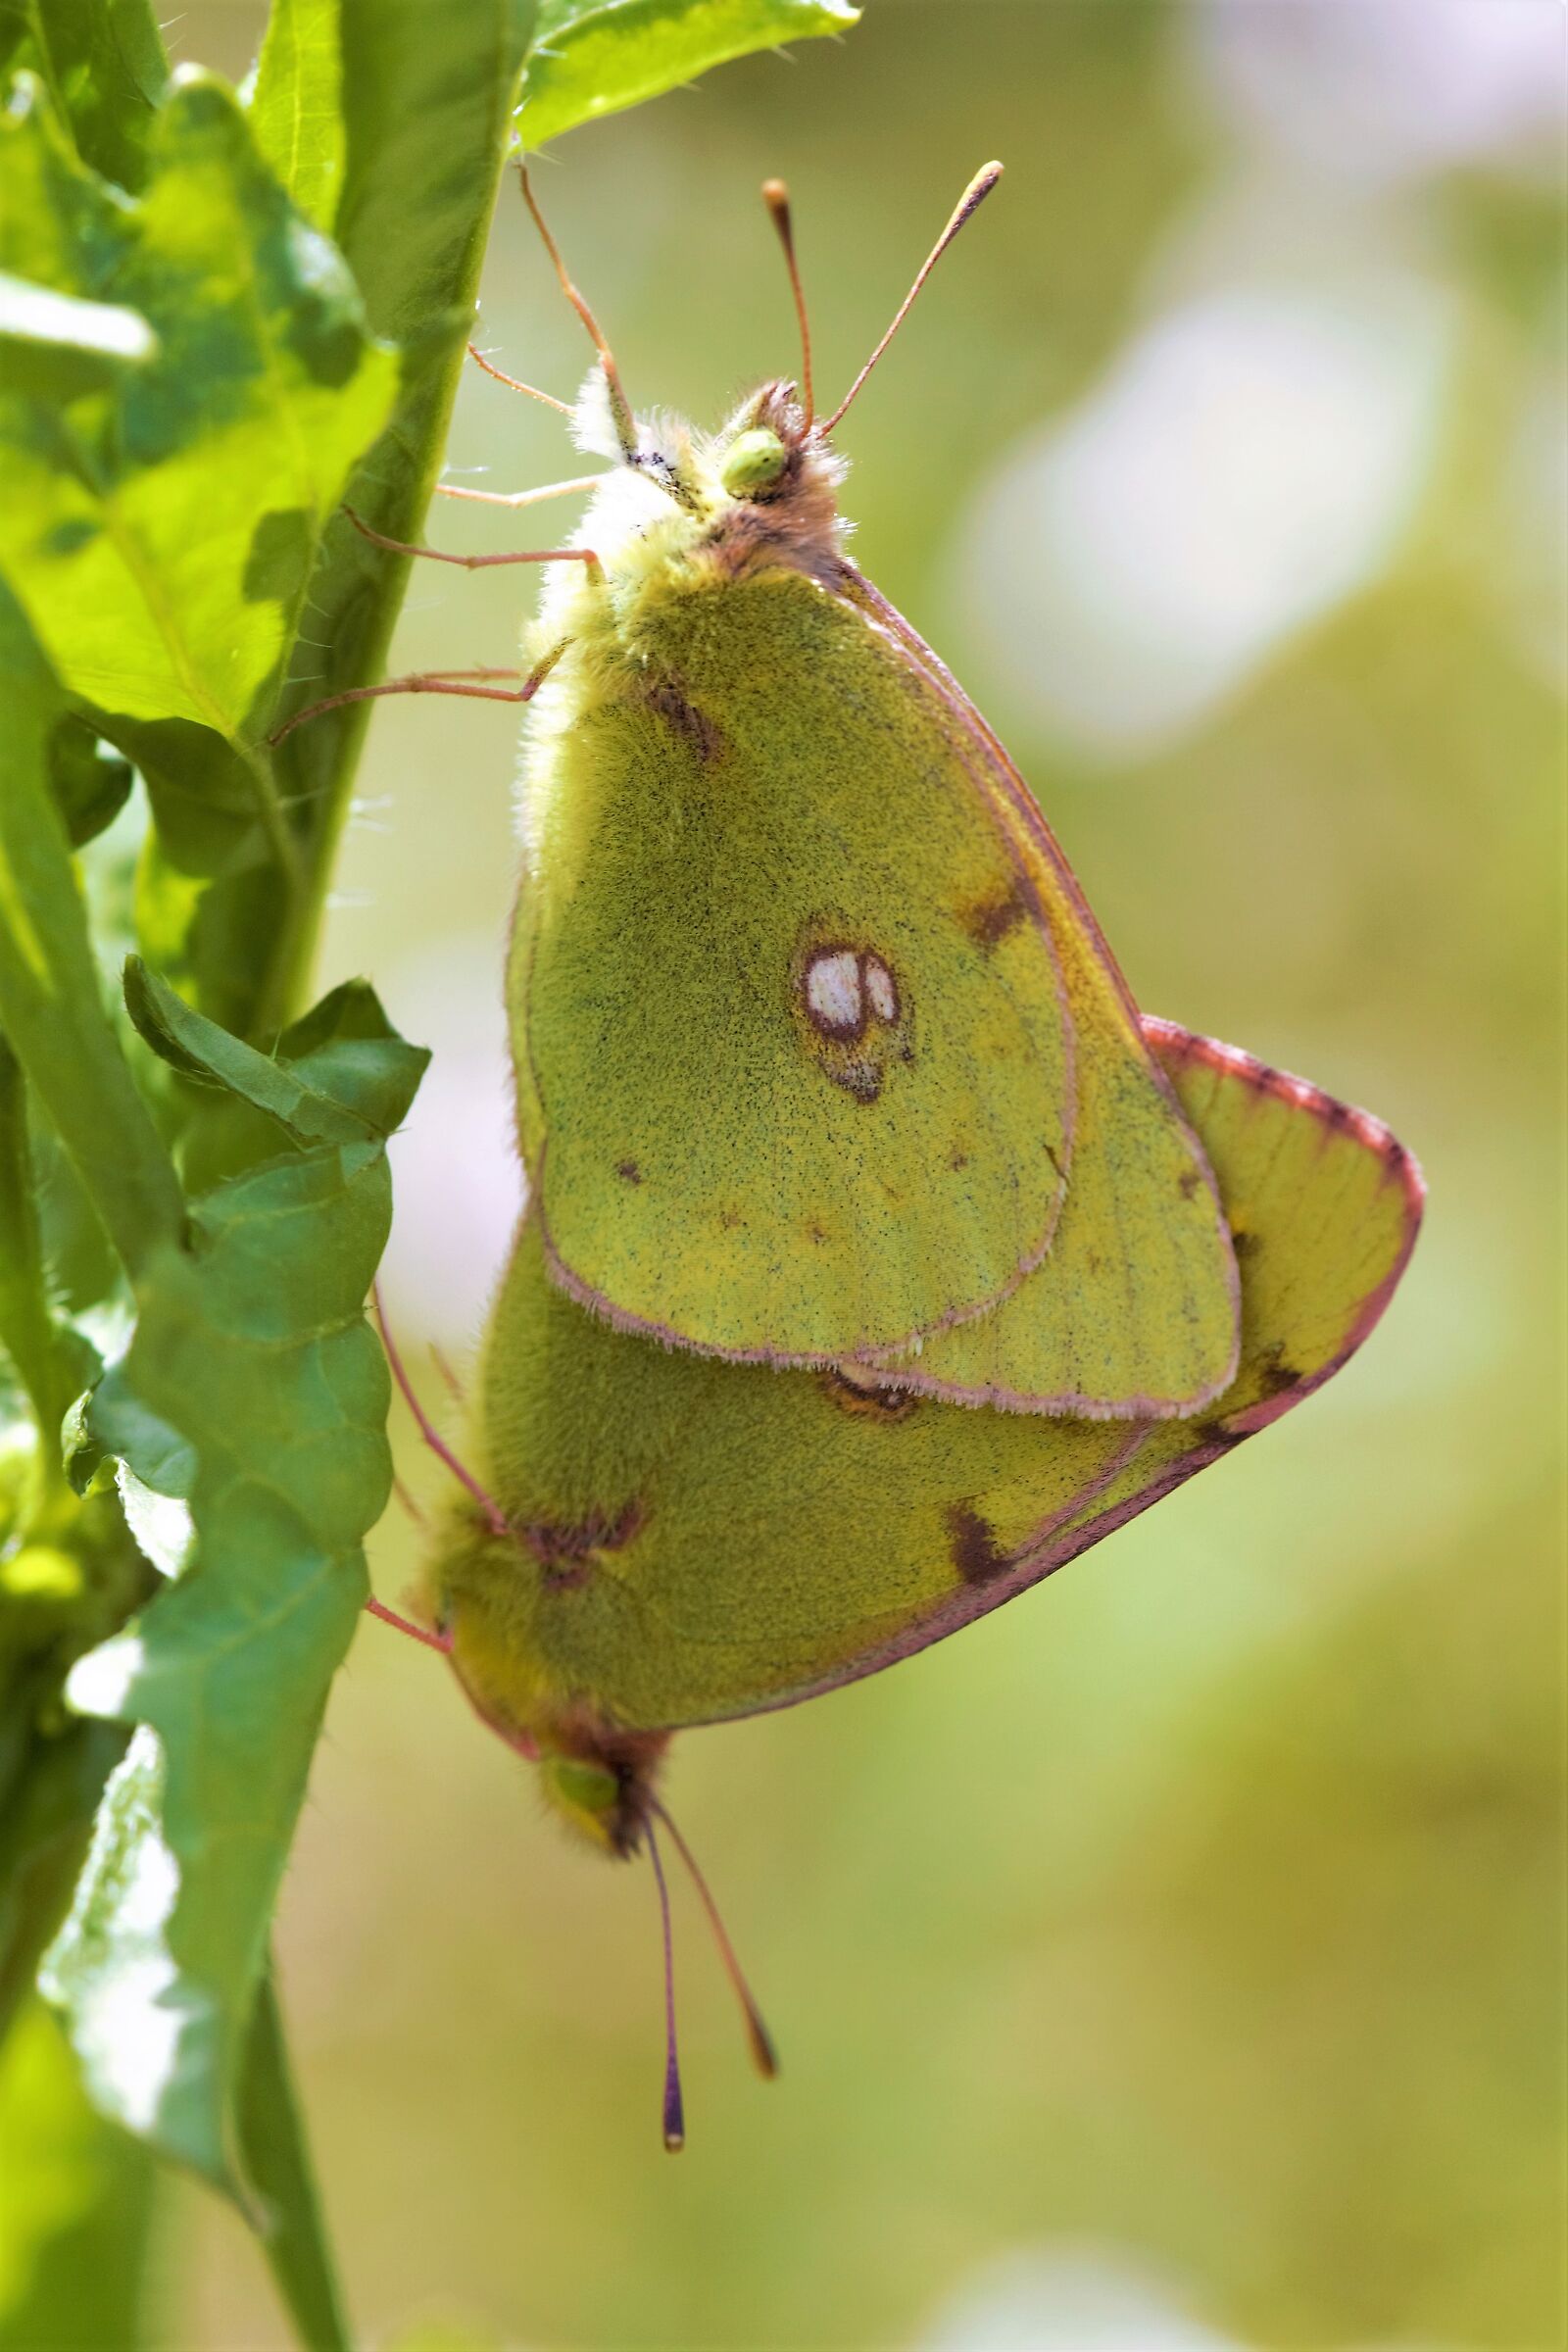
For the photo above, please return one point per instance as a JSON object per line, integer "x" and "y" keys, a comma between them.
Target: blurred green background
{"x": 1177, "y": 1956}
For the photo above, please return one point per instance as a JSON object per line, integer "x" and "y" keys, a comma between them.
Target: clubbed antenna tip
{"x": 675, "y": 2111}
{"x": 969, "y": 202}
{"x": 776, "y": 197}
{"x": 765, "y": 2056}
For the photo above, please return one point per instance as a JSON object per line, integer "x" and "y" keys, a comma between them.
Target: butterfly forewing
{"x": 1134, "y": 1313}
{"x": 799, "y": 1071}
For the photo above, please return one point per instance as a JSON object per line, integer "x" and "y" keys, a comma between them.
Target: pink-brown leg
{"x": 406, "y": 1625}
{"x": 431, "y": 681}
{"x": 514, "y": 384}
{"x": 495, "y": 1518}
{"x": 440, "y": 555}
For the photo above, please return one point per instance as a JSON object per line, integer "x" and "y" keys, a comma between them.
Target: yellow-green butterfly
{"x": 820, "y": 1055}
{"x": 650, "y": 1539}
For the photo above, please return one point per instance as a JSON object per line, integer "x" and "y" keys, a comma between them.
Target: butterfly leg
{"x": 441, "y": 554}
{"x": 495, "y": 1518}
{"x": 514, "y": 383}
{"x": 406, "y": 1625}
{"x": 433, "y": 681}
{"x": 522, "y": 498}
{"x": 519, "y": 1742}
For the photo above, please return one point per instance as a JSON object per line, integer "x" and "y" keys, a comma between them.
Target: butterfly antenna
{"x": 495, "y": 1517}
{"x": 620, "y": 407}
{"x": 776, "y": 197}
{"x": 764, "y": 2054}
{"x": 974, "y": 195}
{"x": 674, "y": 2109}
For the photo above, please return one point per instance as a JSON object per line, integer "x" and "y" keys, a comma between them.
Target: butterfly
{"x": 839, "y": 1123}
{"x": 645, "y": 1539}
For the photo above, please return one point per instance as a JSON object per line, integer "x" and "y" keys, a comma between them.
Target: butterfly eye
{"x": 754, "y": 463}
{"x": 585, "y": 1793}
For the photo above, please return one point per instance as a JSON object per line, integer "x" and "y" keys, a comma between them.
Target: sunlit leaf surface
{"x": 594, "y": 57}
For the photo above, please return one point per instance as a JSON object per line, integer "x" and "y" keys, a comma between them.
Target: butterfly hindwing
{"x": 700, "y": 1540}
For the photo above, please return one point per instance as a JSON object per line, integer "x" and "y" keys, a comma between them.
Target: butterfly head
{"x": 763, "y": 488}
{"x": 599, "y": 1782}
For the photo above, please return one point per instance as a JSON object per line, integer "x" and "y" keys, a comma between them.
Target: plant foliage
{"x": 223, "y": 314}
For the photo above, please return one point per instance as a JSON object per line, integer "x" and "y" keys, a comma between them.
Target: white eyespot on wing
{"x": 880, "y": 989}
{"x": 833, "y": 993}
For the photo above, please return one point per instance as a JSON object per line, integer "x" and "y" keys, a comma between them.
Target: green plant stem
{"x": 276, "y": 2159}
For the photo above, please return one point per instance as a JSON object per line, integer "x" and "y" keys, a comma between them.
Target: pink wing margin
{"x": 1212, "y": 1434}
{"x": 854, "y": 586}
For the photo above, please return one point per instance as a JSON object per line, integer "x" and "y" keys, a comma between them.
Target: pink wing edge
{"x": 859, "y": 591}
{"x": 1052, "y": 1545}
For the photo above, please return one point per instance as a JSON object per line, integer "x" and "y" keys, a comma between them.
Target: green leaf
{"x": 160, "y": 537}
{"x": 594, "y": 57}
{"x": 27, "y": 1326}
{"x": 90, "y": 781}
{"x": 213, "y": 898}
{"x": 79, "y": 2199}
{"x": 296, "y": 104}
{"x": 253, "y": 1354}
{"x": 340, "y": 1075}
{"x": 51, "y": 1793}
{"x": 103, "y": 64}
{"x": 50, "y": 1006}
{"x": 54, "y": 347}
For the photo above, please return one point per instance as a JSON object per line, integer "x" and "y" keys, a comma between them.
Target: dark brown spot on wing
{"x": 861, "y": 1079}
{"x": 1274, "y": 1375}
{"x": 864, "y": 1401}
{"x": 989, "y": 922}
{"x": 972, "y": 1545}
{"x": 704, "y": 734}
{"x": 565, "y": 1554}
{"x": 1187, "y": 1183}
{"x": 629, "y": 1171}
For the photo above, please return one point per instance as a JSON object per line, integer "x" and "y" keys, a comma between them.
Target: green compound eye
{"x": 753, "y": 464}
{"x": 581, "y": 1789}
